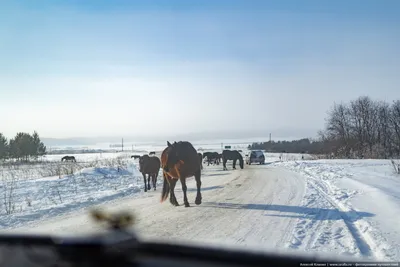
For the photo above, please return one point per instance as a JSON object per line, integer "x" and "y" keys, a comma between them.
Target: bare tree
{"x": 395, "y": 124}
{"x": 9, "y": 184}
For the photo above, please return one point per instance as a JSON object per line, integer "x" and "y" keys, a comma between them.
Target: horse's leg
{"x": 172, "y": 198}
{"x": 197, "y": 176}
{"x": 144, "y": 180}
{"x": 224, "y": 163}
{"x": 234, "y": 164}
{"x": 148, "y": 182}
{"x": 154, "y": 180}
{"x": 184, "y": 189}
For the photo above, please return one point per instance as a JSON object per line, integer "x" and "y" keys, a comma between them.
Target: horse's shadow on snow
{"x": 215, "y": 174}
{"x": 297, "y": 211}
{"x": 205, "y": 188}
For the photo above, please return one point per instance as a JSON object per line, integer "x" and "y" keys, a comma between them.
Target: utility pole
{"x": 122, "y": 144}
{"x": 270, "y": 139}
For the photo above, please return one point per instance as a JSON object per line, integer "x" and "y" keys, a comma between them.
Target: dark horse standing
{"x": 232, "y": 155}
{"x": 68, "y": 158}
{"x": 151, "y": 166}
{"x": 212, "y": 157}
{"x": 180, "y": 161}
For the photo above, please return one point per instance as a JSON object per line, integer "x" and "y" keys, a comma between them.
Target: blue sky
{"x": 98, "y": 68}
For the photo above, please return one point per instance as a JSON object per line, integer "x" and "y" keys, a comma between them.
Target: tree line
{"x": 304, "y": 145}
{"x": 23, "y": 146}
{"x": 362, "y": 128}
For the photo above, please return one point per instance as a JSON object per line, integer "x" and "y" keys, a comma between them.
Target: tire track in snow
{"x": 362, "y": 243}
{"x": 359, "y": 229}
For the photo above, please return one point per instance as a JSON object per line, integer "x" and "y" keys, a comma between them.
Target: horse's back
{"x": 156, "y": 162}
{"x": 231, "y": 154}
{"x": 188, "y": 154}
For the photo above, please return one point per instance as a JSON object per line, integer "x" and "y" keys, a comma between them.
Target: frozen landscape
{"x": 345, "y": 207}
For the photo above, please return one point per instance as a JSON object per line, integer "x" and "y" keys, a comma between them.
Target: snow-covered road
{"x": 250, "y": 206}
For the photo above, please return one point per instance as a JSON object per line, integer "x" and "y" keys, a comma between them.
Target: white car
{"x": 255, "y": 156}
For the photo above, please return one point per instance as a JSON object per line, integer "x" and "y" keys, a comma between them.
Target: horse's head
{"x": 142, "y": 160}
{"x": 173, "y": 157}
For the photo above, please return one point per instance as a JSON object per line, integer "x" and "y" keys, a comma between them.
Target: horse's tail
{"x": 165, "y": 189}
{"x": 241, "y": 161}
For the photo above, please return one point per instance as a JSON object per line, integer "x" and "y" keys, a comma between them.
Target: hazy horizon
{"x": 157, "y": 69}
{"x": 282, "y": 134}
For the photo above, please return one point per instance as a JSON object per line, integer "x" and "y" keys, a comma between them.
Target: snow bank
{"x": 34, "y": 199}
{"x": 366, "y": 194}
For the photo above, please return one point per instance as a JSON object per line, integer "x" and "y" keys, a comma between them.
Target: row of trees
{"x": 296, "y": 146}
{"x": 362, "y": 128}
{"x": 23, "y": 146}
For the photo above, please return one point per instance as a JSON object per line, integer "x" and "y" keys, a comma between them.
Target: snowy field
{"x": 348, "y": 207}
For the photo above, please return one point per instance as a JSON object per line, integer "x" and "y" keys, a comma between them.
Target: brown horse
{"x": 180, "y": 161}
{"x": 201, "y": 160}
{"x": 151, "y": 166}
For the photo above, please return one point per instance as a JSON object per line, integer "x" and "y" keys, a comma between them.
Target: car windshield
{"x": 143, "y": 106}
{"x": 257, "y": 153}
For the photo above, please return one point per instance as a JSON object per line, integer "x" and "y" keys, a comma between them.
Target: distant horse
{"x": 201, "y": 160}
{"x": 135, "y": 156}
{"x": 180, "y": 161}
{"x": 68, "y": 158}
{"x": 151, "y": 166}
{"x": 152, "y": 153}
{"x": 212, "y": 157}
{"x": 232, "y": 155}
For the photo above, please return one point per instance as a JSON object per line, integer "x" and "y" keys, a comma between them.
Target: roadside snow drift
{"x": 32, "y": 199}
{"x": 366, "y": 196}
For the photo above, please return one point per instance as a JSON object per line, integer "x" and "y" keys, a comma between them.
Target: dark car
{"x": 255, "y": 156}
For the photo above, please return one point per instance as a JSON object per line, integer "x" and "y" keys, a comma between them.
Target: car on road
{"x": 255, "y": 156}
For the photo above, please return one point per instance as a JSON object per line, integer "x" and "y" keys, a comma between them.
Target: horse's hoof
{"x": 187, "y": 205}
{"x": 174, "y": 203}
{"x": 198, "y": 201}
